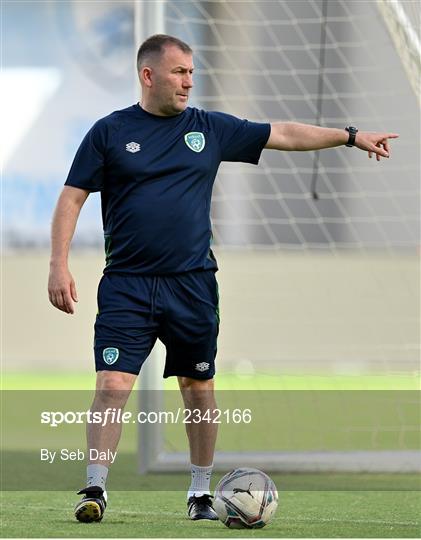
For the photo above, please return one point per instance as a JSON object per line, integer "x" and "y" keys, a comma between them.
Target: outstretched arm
{"x": 61, "y": 286}
{"x": 301, "y": 137}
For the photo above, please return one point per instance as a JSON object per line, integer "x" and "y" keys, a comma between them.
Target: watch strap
{"x": 352, "y": 134}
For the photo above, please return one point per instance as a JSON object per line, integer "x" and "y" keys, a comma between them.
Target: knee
{"x": 113, "y": 388}
{"x": 195, "y": 385}
{"x": 197, "y": 393}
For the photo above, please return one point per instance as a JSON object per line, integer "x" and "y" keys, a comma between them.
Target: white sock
{"x": 200, "y": 481}
{"x": 96, "y": 475}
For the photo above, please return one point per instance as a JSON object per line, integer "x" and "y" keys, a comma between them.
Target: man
{"x": 154, "y": 164}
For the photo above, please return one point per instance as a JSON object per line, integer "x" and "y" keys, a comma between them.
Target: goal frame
{"x": 152, "y": 455}
{"x": 154, "y": 458}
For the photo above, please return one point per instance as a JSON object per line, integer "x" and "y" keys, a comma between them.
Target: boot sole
{"x": 88, "y": 512}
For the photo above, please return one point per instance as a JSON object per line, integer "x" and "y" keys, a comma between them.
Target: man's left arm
{"x": 292, "y": 136}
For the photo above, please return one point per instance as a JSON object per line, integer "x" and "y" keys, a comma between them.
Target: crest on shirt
{"x": 132, "y": 147}
{"x": 195, "y": 141}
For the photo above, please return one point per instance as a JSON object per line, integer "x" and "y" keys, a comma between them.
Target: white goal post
{"x": 403, "y": 22}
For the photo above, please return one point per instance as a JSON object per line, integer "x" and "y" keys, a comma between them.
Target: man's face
{"x": 172, "y": 81}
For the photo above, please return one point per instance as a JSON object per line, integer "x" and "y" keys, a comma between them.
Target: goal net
{"x": 318, "y": 250}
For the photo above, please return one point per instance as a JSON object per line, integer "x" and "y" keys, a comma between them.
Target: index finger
{"x": 391, "y": 135}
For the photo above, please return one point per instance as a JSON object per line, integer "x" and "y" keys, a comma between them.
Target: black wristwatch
{"x": 352, "y": 133}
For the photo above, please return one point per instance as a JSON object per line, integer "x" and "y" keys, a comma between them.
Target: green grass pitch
{"x": 301, "y": 514}
{"x": 310, "y": 506}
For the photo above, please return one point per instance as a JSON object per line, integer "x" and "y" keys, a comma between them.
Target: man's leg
{"x": 199, "y": 394}
{"x": 112, "y": 391}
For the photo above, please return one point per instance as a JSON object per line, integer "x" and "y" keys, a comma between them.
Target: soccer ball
{"x": 245, "y": 499}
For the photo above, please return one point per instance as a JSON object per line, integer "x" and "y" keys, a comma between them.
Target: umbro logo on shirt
{"x": 132, "y": 147}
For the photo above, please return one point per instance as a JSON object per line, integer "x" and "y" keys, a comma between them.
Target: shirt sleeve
{"x": 239, "y": 140}
{"x": 87, "y": 170}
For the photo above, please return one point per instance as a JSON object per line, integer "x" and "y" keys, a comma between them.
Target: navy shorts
{"x": 181, "y": 310}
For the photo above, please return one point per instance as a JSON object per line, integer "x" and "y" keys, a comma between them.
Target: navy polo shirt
{"x": 155, "y": 175}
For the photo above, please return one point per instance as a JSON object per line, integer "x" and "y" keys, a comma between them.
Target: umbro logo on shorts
{"x": 203, "y": 366}
{"x": 132, "y": 147}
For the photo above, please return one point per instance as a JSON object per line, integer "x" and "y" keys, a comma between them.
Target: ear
{"x": 145, "y": 76}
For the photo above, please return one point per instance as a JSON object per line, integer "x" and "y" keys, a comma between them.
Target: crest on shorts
{"x": 110, "y": 355}
{"x": 195, "y": 140}
{"x": 203, "y": 366}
